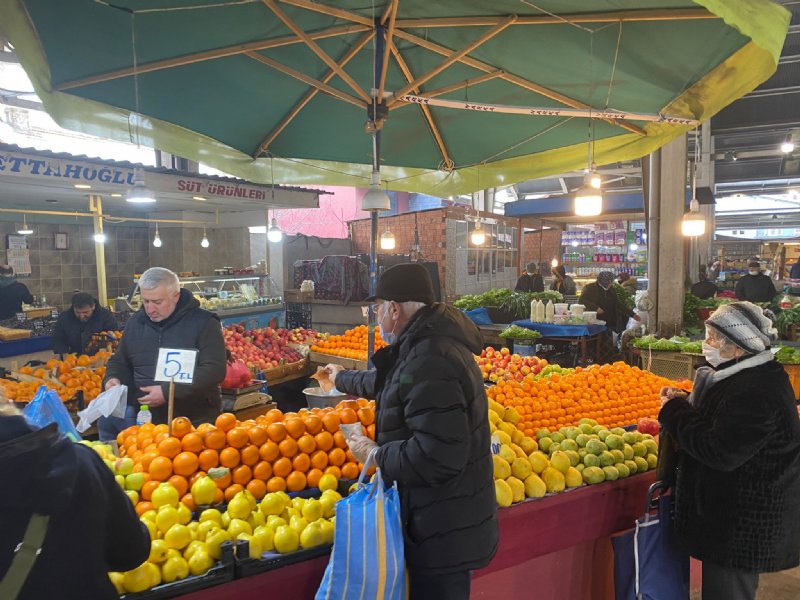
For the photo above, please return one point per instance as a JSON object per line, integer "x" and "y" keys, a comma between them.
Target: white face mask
{"x": 387, "y": 336}
{"x": 712, "y": 355}
{"x": 753, "y": 272}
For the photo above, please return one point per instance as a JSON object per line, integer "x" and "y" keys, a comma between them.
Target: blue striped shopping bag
{"x": 367, "y": 561}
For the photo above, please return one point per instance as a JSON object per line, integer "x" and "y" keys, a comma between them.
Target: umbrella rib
{"x": 687, "y": 14}
{"x": 315, "y": 48}
{"x": 264, "y": 146}
{"x": 453, "y": 57}
{"x": 323, "y": 87}
{"x": 446, "y": 160}
{"x": 510, "y": 77}
{"x": 387, "y": 50}
{"x": 189, "y": 59}
{"x": 331, "y": 11}
{"x": 460, "y": 85}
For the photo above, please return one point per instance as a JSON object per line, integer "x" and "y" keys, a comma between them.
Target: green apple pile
{"x": 122, "y": 468}
{"x": 181, "y": 546}
{"x": 600, "y": 454}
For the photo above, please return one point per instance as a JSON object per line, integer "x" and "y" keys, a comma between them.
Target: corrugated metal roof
{"x": 150, "y": 169}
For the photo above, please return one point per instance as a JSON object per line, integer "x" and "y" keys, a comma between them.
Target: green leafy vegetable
{"x": 515, "y": 332}
{"x": 788, "y": 356}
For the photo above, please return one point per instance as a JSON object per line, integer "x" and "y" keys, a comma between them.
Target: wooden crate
{"x": 672, "y": 365}
{"x": 286, "y": 370}
{"x": 8, "y": 335}
{"x": 318, "y": 358}
{"x": 297, "y": 297}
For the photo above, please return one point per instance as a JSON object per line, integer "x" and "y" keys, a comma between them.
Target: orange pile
{"x": 74, "y": 375}
{"x": 351, "y": 344}
{"x": 275, "y": 452}
{"x": 614, "y": 395}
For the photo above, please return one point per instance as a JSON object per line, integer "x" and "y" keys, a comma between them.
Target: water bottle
{"x": 144, "y": 415}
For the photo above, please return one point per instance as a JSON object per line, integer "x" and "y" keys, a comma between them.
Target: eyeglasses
{"x": 374, "y": 307}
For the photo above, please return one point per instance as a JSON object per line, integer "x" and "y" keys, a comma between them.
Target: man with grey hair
{"x": 170, "y": 317}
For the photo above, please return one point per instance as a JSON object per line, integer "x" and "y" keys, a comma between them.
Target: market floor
{"x": 775, "y": 586}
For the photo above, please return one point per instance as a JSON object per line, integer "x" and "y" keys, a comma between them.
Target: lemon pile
{"x": 573, "y": 456}
{"x": 180, "y": 546}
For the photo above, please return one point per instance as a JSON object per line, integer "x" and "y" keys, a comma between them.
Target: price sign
{"x": 53, "y": 314}
{"x": 21, "y": 316}
{"x": 38, "y": 325}
{"x": 175, "y": 365}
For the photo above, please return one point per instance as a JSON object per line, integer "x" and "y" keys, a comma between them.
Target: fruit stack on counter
{"x": 497, "y": 365}
{"x": 351, "y": 344}
{"x": 573, "y": 456}
{"x": 273, "y": 453}
{"x": 67, "y": 377}
{"x": 182, "y": 545}
{"x": 260, "y": 349}
{"x": 614, "y": 395}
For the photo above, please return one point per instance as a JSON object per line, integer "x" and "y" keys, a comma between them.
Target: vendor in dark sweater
{"x": 531, "y": 280}
{"x": 12, "y": 293}
{"x": 599, "y": 296}
{"x": 75, "y": 327}
{"x": 755, "y": 286}
{"x": 704, "y": 289}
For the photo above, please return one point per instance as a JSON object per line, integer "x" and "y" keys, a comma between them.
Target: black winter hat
{"x": 409, "y": 282}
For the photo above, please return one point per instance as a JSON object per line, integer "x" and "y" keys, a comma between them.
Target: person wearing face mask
{"x": 755, "y": 286}
{"x": 737, "y": 490}
{"x": 431, "y": 432}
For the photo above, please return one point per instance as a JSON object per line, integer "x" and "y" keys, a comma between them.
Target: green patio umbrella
{"x": 468, "y": 94}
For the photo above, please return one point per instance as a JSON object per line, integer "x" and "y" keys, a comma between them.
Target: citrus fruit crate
{"x": 672, "y": 365}
{"x": 269, "y": 561}
{"x": 223, "y": 572}
{"x": 347, "y": 363}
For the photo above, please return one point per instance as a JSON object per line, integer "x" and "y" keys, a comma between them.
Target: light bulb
{"x": 554, "y": 263}
{"x": 25, "y": 229}
{"x": 787, "y": 147}
{"x": 157, "y": 239}
{"x": 140, "y": 193}
{"x": 274, "y": 233}
{"x": 588, "y": 202}
{"x": 595, "y": 180}
{"x": 633, "y": 247}
{"x": 204, "y": 243}
{"x": 478, "y": 236}
{"x": 387, "y": 240}
{"x": 100, "y": 238}
{"x": 574, "y": 243}
{"x": 694, "y": 223}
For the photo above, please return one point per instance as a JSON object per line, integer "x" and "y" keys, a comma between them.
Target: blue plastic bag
{"x": 479, "y": 316}
{"x": 368, "y": 559}
{"x": 647, "y": 564}
{"x": 45, "y": 408}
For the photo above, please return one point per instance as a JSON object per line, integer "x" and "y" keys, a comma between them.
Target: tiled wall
{"x": 58, "y": 273}
{"x": 181, "y": 250}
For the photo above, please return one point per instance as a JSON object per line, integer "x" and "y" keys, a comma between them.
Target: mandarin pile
{"x": 67, "y": 377}
{"x": 614, "y": 395}
{"x": 275, "y": 452}
{"x": 351, "y": 344}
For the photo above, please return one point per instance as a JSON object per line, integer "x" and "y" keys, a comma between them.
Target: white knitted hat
{"x": 744, "y": 324}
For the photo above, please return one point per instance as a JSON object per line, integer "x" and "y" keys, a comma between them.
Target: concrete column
{"x": 96, "y": 207}
{"x": 670, "y": 247}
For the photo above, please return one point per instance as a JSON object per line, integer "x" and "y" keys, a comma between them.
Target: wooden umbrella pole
{"x": 171, "y": 405}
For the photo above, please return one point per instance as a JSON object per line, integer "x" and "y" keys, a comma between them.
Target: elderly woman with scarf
{"x": 737, "y": 493}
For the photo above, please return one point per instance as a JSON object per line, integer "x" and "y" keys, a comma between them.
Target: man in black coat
{"x": 75, "y": 328}
{"x": 531, "y": 280}
{"x": 704, "y": 289}
{"x": 92, "y": 527}
{"x": 12, "y": 293}
{"x": 737, "y": 496}
{"x": 432, "y": 433}
{"x": 170, "y": 317}
{"x": 755, "y": 286}
{"x": 599, "y": 297}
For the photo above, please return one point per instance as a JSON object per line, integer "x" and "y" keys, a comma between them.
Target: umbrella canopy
{"x": 474, "y": 94}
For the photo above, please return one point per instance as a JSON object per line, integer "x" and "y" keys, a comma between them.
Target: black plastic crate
{"x": 246, "y": 566}
{"x": 223, "y": 572}
{"x": 298, "y": 315}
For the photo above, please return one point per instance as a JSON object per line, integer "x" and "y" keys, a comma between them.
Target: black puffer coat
{"x": 72, "y": 335}
{"x": 93, "y": 528}
{"x": 134, "y": 362}
{"x": 433, "y": 431}
{"x": 737, "y": 497}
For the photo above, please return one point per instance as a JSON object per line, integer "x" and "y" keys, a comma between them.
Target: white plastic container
{"x": 561, "y": 308}
{"x": 539, "y": 312}
{"x": 590, "y": 316}
{"x": 577, "y": 310}
{"x": 549, "y": 311}
{"x": 533, "y": 310}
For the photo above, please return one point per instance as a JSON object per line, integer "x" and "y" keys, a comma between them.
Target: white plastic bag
{"x": 110, "y": 403}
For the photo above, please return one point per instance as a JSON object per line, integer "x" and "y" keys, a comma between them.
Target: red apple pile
{"x": 306, "y": 337}
{"x": 502, "y": 364}
{"x": 260, "y": 349}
